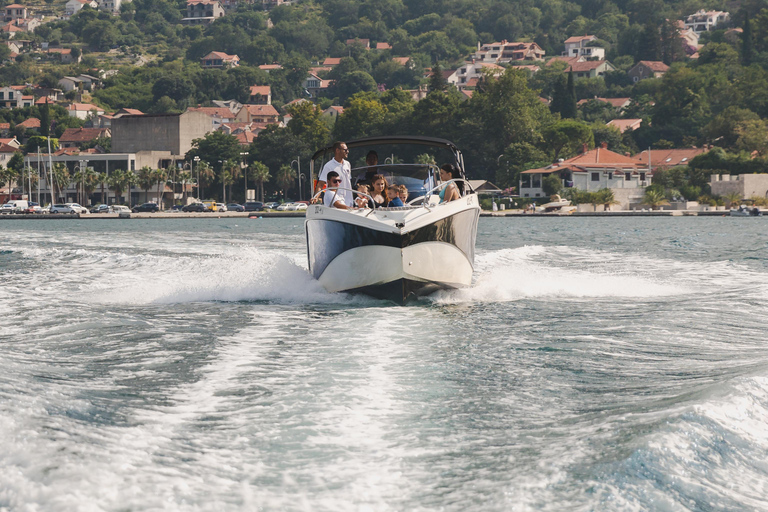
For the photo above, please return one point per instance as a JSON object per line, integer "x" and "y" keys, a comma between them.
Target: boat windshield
{"x": 417, "y": 178}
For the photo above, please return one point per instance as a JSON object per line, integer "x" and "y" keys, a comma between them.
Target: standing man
{"x": 344, "y": 170}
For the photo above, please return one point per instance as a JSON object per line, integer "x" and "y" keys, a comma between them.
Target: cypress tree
{"x": 569, "y": 105}
{"x": 437, "y": 81}
{"x": 45, "y": 119}
{"x": 746, "y": 42}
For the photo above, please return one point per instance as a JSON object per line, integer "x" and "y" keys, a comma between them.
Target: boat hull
{"x": 395, "y": 255}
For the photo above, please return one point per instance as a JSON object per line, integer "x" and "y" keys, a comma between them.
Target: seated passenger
{"x": 332, "y": 197}
{"x": 403, "y": 193}
{"x": 393, "y": 195}
{"x": 371, "y": 160}
{"x": 379, "y": 193}
{"x": 362, "y": 201}
{"x": 451, "y": 191}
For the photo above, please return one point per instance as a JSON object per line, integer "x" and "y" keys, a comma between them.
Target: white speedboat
{"x": 403, "y": 252}
{"x": 556, "y": 204}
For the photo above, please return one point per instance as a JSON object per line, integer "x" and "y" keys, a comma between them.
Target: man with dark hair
{"x": 371, "y": 163}
{"x": 343, "y": 169}
{"x": 333, "y": 198}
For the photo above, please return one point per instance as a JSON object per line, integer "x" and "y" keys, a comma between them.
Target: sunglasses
{"x": 335, "y": 181}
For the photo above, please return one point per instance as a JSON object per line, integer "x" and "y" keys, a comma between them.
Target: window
{"x": 642, "y": 176}
{"x": 610, "y": 175}
{"x": 595, "y": 176}
{"x": 628, "y": 176}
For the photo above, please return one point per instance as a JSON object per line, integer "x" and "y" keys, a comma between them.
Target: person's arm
{"x": 320, "y": 186}
{"x": 340, "y": 205}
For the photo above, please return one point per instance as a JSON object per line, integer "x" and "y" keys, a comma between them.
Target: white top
{"x": 345, "y": 173}
{"x": 332, "y": 197}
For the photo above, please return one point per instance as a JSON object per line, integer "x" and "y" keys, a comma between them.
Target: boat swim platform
{"x": 621, "y": 213}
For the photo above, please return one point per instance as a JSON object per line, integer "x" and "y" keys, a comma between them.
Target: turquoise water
{"x": 595, "y": 364}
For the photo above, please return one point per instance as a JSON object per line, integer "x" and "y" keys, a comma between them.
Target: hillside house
{"x": 590, "y": 68}
{"x": 64, "y": 55}
{"x": 258, "y": 114}
{"x": 260, "y": 95}
{"x": 11, "y": 96}
{"x": 203, "y": 12}
{"x": 647, "y": 69}
{"x": 270, "y": 67}
{"x": 31, "y": 123}
{"x": 84, "y": 110}
{"x": 663, "y": 159}
{"x": 470, "y": 73}
{"x": 505, "y": 51}
{"x": 14, "y": 12}
{"x": 618, "y": 103}
{"x": 333, "y": 112}
{"x": 365, "y": 43}
{"x": 331, "y": 62}
{"x": 112, "y": 6}
{"x": 218, "y": 115}
{"x": 624, "y": 125}
{"x": 383, "y": 46}
{"x": 580, "y": 47}
{"x": 77, "y": 137}
{"x": 220, "y": 60}
{"x": 704, "y": 21}
{"x": 70, "y": 83}
{"x": 72, "y": 7}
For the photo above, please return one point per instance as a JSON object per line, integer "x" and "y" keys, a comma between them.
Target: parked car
{"x": 234, "y": 207}
{"x": 119, "y": 208}
{"x": 211, "y": 205}
{"x": 254, "y": 206}
{"x": 61, "y": 208}
{"x": 271, "y": 206}
{"x": 284, "y": 207}
{"x": 195, "y": 207}
{"x": 100, "y": 208}
{"x": 221, "y": 207}
{"x": 77, "y": 208}
{"x": 146, "y": 207}
{"x": 8, "y": 208}
{"x": 300, "y": 207}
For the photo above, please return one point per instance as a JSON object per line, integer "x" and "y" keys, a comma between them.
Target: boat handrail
{"x": 336, "y": 191}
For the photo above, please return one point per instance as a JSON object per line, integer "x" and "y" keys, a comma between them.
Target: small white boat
{"x": 745, "y": 211}
{"x": 556, "y": 204}
{"x": 397, "y": 253}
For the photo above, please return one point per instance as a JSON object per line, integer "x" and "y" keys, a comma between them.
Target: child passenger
{"x": 393, "y": 195}
{"x": 403, "y": 193}
{"x": 362, "y": 201}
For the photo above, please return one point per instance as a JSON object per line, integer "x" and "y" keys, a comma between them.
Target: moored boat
{"x": 397, "y": 253}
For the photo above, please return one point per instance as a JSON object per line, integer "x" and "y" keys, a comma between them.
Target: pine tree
{"x": 45, "y": 119}
{"x": 746, "y": 42}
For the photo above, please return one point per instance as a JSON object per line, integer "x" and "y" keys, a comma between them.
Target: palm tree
{"x": 230, "y": 172}
{"x": 259, "y": 173}
{"x": 160, "y": 176}
{"x": 606, "y": 197}
{"x": 205, "y": 175}
{"x": 654, "y": 198}
{"x": 7, "y": 176}
{"x": 184, "y": 177}
{"x": 146, "y": 178}
{"x": 86, "y": 180}
{"x": 60, "y": 179}
{"x": 116, "y": 183}
{"x": 284, "y": 179}
{"x": 103, "y": 182}
{"x": 731, "y": 197}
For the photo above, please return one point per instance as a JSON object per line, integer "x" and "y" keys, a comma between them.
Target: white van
{"x": 15, "y": 206}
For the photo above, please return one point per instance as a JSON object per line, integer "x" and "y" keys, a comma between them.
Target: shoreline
{"x": 266, "y": 215}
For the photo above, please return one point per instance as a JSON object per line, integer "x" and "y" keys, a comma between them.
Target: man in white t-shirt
{"x": 333, "y": 198}
{"x": 344, "y": 170}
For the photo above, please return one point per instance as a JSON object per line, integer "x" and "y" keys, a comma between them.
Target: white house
{"x": 505, "y": 51}
{"x": 73, "y": 6}
{"x": 11, "y": 96}
{"x": 470, "y": 72}
{"x": 83, "y": 110}
{"x": 702, "y": 21}
{"x": 579, "y": 47}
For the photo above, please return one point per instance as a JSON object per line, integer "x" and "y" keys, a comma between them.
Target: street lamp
{"x": 197, "y": 168}
{"x": 298, "y": 172}
{"x": 244, "y": 167}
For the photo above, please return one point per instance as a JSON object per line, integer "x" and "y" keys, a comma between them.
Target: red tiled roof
{"x": 577, "y": 39}
{"x": 270, "y": 67}
{"x": 332, "y": 61}
{"x": 625, "y": 124}
{"x": 5, "y": 148}
{"x": 245, "y": 138}
{"x": 655, "y": 65}
{"x": 5, "y": 126}
{"x": 383, "y": 46}
{"x": 261, "y": 110}
{"x": 83, "y": 107}
{"x": 669, "y": 157}
{"x": 32, "y": 122}
{"x": 82, "y": 134}
{"x": 601, "y": 156}
{"x": 264, "y": 90}
{"x": 220, "y": 55}
{"x": 588, "y": 65}
{"x": 401, "y": 60}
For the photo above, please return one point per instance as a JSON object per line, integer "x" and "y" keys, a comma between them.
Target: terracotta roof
{"x": 577, "y": 39}
{"x": 44, "y": 99}
{"x": 222, "y": 112}
{"x": 654, "y": 65}
{"x": 82, "y": 134}
{"x": 15, "y": 6}
{"x": 261, "y": 110}
{"x": 83, "y": 107}
{"x": 61, "y": 51}
{"x": 5, "y": 126}
{"x": 270, "y": 67}
{"x": 383, "y": 46}
{"x": 467, "y": 93}
{"x": 245, "y": 138}
{"x": 5, "y": 148}
{"x": 588, "y": 65}
{"x": 264, "y": 90}
{"x": 401, "y": 60}
{"x": 320, "y": 69}
{"x": 32, "y": 122}
{"x": 568, "y": 60}
{"x": 602, "y": 157}
{"x": 625, "y": 124}
{"x": 295, "y": 102}
{"x": 614, "y": 102}
{"x": 332, "y": 61}
{"x": 220, "y": 55}
{"x": 132, "y": 111}
{"x": 669, "y": 157}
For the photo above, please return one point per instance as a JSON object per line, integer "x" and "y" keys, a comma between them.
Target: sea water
{"x": 193, "y": 364}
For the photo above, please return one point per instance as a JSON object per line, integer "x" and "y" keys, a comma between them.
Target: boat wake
{"x": 537, "y": 272}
